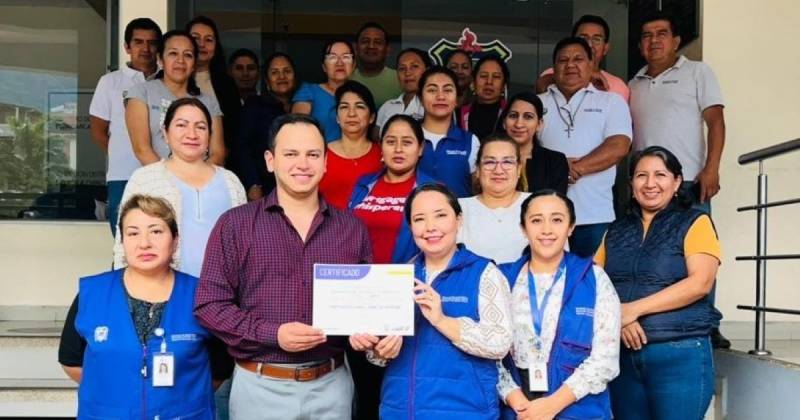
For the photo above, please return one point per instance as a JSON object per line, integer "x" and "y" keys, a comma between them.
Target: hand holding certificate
{"x": 373, "y": 299}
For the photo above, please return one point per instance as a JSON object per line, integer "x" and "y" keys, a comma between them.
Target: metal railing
{"x": 761, "y": 256}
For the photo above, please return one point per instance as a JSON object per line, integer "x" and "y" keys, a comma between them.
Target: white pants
{"x": 255, "y": 397}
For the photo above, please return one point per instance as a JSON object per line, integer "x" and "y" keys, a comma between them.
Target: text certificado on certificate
{"x": 375, "y": 299}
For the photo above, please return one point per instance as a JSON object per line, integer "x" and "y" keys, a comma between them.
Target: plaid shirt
{"x": 258, "y": 271}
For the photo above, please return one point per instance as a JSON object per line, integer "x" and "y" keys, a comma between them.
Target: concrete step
{"x": 751, "y": 387}
{"x": 32, "y": 383}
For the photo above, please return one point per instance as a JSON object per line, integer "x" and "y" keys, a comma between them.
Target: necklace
{"x": 569, "y": 120}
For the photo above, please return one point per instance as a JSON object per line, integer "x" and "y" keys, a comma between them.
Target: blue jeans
{"x": 670, "y": 380}
{"x": 586, "y": 239}
{"x": 115, "y": 190}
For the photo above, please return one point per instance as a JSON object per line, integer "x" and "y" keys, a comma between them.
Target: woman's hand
{"x": 429, "y": 301}
{"x": 516, "y": 400}
{"x": 633, "y": 336}
{"x": 538, "y": 409}
{"x": 389, "y": 347}
{"x": 629, "y": 313}
{"x": 363, "y": 342}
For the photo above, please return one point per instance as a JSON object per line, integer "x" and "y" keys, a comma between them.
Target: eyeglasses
{"x": 505, "y": 164}
{"x": 333, "y": 58}
{"x": 595, "y": 40}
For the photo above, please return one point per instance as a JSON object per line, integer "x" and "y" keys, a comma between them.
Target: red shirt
{"x": 342, "y": 174}
{"x": 382, "y": 212}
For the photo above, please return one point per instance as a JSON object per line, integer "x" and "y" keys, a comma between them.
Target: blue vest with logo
{"x": 113, "y": 386}
{"x": 449, "y": 162}
{"x": 639, "y": 268}
{"x": 404, "y": 246}
{"x": 431, "y": 378}
{"x": 573, "y": 340}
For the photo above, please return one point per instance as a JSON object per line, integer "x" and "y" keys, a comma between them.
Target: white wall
{"x": 132, "y": 9}
{"x": 752, "y": 47}
{"x": 42, "y": 261}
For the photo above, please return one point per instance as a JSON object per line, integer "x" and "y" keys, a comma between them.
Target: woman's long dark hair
{"x": 192, "y": 88}
{"x": 530, "y": 98}
{"x": 217, "y": 65}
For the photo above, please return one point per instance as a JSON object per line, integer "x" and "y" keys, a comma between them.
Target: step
{"x": 752, "y": 387}
{"x": 32, "y": 383}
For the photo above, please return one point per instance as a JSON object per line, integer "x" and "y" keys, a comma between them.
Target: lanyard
{"x": 537, "y": 311}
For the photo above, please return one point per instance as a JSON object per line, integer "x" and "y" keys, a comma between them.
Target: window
{"x": 54, "y": 51}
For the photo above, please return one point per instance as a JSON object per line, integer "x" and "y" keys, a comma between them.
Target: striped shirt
{"x": 258, "y": 271}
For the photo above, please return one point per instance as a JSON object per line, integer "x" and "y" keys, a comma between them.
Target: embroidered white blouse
{"x": 602, "y": 365}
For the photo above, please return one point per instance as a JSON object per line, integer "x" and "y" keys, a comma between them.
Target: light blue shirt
{"x": 201, "y": 209}
{"x": 323, "y": 108}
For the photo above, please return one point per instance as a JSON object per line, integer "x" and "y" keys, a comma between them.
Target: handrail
{"x": 772, "y": 204}
{"x": 761, "y": 257}
{"x": 770, "y": 152}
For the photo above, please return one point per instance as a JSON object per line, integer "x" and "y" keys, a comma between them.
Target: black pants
{"x": 367, "y": 378}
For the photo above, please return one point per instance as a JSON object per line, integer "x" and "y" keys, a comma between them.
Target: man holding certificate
{"x": 255, "y": 290}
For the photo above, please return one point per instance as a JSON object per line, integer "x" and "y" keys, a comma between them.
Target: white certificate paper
{"x": 375, "y": 299}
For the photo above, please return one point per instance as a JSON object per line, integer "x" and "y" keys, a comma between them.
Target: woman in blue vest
{"x": 450, "y": 153}
{"x": 131, "y": 339}
{"x": 448, "y": 369}
{"x": 379, "y": 201}
{"x": 565, "y": 316}
{"x": 663, "y": 258}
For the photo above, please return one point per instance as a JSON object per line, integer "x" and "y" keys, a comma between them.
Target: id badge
{"x": 163, "y": 369}
{"x": 537, "y": 377}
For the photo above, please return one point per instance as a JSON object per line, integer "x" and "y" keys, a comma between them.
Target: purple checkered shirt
{"x": 257, "y": 275}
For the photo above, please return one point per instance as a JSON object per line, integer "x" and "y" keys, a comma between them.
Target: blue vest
{"x": 449, "y": 162}
{"x": 639, "y": 268}
{"x": 112, "y": 386}
{"x": 404, "y": 247}
{"x": 431, "y": 378}
{"x": 573, "y": 340}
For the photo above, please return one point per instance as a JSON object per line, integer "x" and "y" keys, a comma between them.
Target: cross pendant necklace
{"x": 569, "y": 120}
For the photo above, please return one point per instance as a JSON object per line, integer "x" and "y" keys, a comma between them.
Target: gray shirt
{"x": 667, "y": 111}
{"x": 158, "y": 99}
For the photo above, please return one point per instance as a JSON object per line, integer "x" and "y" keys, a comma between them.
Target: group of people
{"x": 533, "y": 299}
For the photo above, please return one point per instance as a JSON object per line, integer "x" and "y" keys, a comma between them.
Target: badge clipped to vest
{"x": 163, "y": 363}
{"x": 537, "y": 376}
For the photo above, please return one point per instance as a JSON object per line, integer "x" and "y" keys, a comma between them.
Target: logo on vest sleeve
{"x": 456, "y": 152}
{"x": 582, "y": 311}
{"x": 455, "y": 299}
{"x": 100, "y": 334}
{"x": 183, "y": 337}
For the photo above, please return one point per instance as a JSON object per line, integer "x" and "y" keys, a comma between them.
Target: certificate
{"x": 375, "y": 299}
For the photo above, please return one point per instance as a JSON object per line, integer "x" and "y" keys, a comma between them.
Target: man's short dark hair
{"x": 243, "y": 52}
{"x": 424, "y": 56}
{"x": 573, "y": 40}
{"x": 673, "y": 27}
{"x": 372, "y": 25}
{"x": 594, "y": 19}
{"x": 283, "y": 120}
{"x": 144, "y": 24}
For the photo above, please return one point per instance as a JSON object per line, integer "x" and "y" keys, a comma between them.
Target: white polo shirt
{"x": 667, "y": 111}
{"x": 396, "y": 106}
{"x": 597, "y": 115}
{"x": 107, "y": 104}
